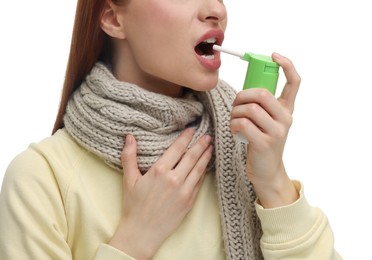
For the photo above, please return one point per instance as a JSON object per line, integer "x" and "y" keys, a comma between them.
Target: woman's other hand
{"x": 155, "y": 204}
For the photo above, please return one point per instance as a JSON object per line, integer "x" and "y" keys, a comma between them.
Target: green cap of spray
{"x": 262, "y": 71}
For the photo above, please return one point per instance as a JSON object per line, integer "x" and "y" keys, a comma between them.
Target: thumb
{"x": 129, "y": 162}
{"x": 289, "y": 93}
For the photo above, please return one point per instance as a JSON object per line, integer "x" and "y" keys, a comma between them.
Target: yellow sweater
{"x": 58, "y": 201}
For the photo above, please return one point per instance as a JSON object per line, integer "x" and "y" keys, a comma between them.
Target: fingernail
{"x": 207, "y": 138}
{"x": 129, "y": 139}
{"x": 191, "y": 131}
{"x": 276, "y": 55}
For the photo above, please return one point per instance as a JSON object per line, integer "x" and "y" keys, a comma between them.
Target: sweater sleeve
{"x": 33, "y": 222}
{"x": 296, "y": 231}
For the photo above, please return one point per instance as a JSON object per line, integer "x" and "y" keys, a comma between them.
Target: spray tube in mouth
{"x": 262, "y": 72}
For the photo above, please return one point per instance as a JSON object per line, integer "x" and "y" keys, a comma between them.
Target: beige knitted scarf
{"x": 104, "y": 110}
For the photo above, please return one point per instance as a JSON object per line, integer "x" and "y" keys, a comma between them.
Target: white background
{"x": 329, "y": 147}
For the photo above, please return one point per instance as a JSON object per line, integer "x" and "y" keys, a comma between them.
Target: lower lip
{"x": 210, "y": 64}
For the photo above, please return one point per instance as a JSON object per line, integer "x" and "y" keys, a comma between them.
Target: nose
{"x": 212, "y": 10}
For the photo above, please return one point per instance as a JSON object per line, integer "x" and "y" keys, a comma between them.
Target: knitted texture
{"x": 104, "y": 110}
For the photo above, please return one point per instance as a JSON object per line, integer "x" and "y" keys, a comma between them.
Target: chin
{"x": 204, "y": 84}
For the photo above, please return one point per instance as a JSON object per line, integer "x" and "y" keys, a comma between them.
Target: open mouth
{"x": 205, "y": 48}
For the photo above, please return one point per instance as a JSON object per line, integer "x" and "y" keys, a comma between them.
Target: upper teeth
{"x": 210, "y": 40}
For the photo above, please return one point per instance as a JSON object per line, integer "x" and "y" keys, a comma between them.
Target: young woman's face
{"x": 168, "y": 44}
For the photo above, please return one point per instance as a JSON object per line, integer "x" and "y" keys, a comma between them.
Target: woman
{"x": 142, "y": 163}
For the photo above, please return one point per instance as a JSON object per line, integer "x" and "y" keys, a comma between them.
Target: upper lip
{"x": 216, "y": 34}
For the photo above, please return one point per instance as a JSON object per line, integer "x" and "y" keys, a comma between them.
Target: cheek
{"x": 156, "y": 27}
{"x": 157, "y": 14}
{"x": 161, "y": 44}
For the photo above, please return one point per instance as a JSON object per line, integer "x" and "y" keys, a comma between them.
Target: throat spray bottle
{"x": 262, "y": 72}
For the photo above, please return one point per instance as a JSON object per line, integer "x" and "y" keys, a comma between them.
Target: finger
{"x": 289, "y": 93}
{"x": 174, "y": 153}
{"x": 256, "y": 114}
{"x": 129, "y": 161}
{"x": 193, "y": 179}
{"x": 192, "y": 157}
{"x": 196, "y": 188}
{"x": 263, "y": 98}
{"x": 248, "y": 129}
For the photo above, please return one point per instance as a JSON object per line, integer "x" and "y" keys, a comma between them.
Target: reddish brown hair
{"x": 88, "y": 45}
